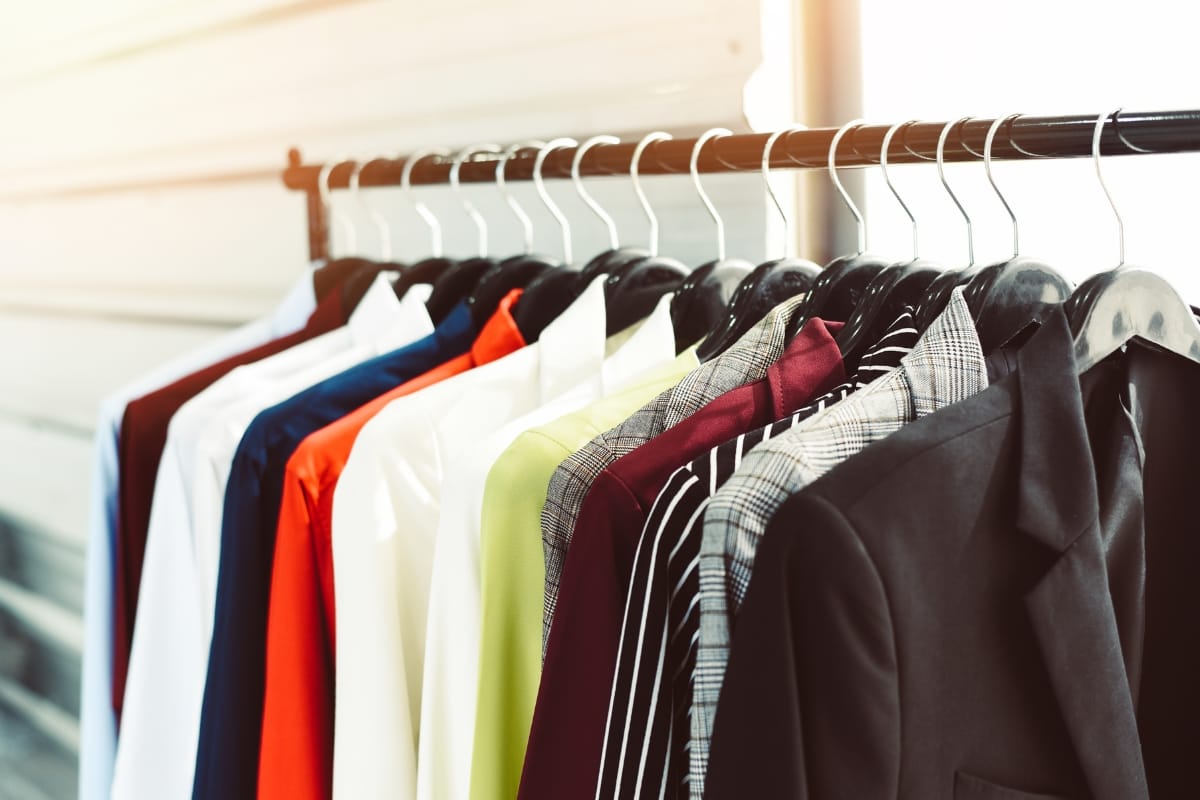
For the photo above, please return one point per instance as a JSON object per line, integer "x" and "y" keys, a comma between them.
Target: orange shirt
{"x": 296, "y": 757}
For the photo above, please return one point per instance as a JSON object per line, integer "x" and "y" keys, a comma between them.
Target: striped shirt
{"x": 645, "y": 752}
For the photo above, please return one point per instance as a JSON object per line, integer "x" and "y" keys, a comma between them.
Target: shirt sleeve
{"x": 296, "y": 755}
{"x": 156, "y": 751}
{"x": 512, "y": 580}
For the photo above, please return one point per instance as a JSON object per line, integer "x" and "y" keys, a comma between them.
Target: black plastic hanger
{"x": 458, "y": 281}
{"x": 894, "y": 289}
{"x": 766, "y": 285}
{"x": 634, "y": 287}
{"x": 552, "y": 293}
{"x": 1006, "y": 296}
{"x": 1113, "y": 308}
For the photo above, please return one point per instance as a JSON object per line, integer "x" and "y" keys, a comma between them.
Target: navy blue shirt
{"x": 231, "y": 719}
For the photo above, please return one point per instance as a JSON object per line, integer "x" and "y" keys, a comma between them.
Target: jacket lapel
{"x": 1070, "y": 608}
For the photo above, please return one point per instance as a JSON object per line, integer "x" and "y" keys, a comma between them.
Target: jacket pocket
{"x": 968, "y": 787}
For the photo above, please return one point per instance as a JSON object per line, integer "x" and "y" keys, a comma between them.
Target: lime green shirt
{"x": 513, "y": 573}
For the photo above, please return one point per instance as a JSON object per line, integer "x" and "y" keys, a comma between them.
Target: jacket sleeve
{"x": 810, "y": 704}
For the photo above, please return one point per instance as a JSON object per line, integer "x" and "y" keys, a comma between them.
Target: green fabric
{"x": 513, "y": 574}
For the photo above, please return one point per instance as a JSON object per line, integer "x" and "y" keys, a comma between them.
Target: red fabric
{"x": 565, "y": 741}
{"x": 296, "y": 756}
{"x": 143, "y": 437}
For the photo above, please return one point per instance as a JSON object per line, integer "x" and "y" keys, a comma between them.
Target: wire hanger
{"x": 616, "y": 256}
{"x": 1112, "y": 308}
{"x": 1005, "y": 297}
{"x": 761, "y": 288}
{"x": 938, "y": 294}
{"x": 551, "y": 292}
{"x": 501, "y": 182}
{"x": 468, "y": 206}
{"x": 837, "y": 289}
{"x": 633, "y": 288}
{"x": 610, "y": 225}
{"x": 893, "y": 290}
{"x": 540, "y": 184}
{"x": 458, "y": 281}
{"x": 380, "y": 222}
{"x": 515, "y": 272}
{"x": 429, "y": 269}
{"x": 349, "y": 234}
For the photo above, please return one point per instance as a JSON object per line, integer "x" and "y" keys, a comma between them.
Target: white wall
{"x": 941, "y": 60}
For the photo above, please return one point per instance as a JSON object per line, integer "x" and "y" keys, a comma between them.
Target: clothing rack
{"x": 1021, "y": 137}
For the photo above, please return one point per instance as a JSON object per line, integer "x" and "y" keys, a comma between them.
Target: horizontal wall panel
{"x": 57, "y": 369}
{"x": 45, "y": 480}
{"x": 52, "y": 568}
{"x": 380, "y": 76}
{"x": 41, "y": 743}
{"x": 38, "y": 663}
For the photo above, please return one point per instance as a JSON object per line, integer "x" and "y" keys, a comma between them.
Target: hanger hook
{"x": 837, "y": 182}
{"x": 540, "y": 184}
{"x": 941, "y": 167}
{"x": 647, "y": 140}
{"x": 987, "y": 168}
{"x": 468, "y": 206}
{"x": 509, "y": 197}
{"x": 883, "y": 162}
{"x": 1096, "y": 135}
{"x": 351, "y": 235}
{"x": 435, "y": 227}
{"x": 605, "y": 217}
{"x": 766, "y": 176}
{"x": 385, "y": 233}
{"x": 711, "y": 133}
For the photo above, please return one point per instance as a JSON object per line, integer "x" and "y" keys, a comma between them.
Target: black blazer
{"x": 1001, "y": 601}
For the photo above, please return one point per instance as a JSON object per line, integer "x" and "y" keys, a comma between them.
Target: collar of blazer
{"x": 1071, "y": 607}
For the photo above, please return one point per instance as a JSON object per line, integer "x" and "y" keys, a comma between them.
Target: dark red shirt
{"x": 563, "y": 757}
{"x": 143, "y": 437}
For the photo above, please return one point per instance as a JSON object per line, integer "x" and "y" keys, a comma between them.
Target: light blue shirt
{"x": 98, "y": 730}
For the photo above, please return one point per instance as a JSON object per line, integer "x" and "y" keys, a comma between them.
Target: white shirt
{"x": 385, "y": 516}
{"x": 453, "y": 628}
{"x": 169, "y": 658}
{"x": 98, "y": 731}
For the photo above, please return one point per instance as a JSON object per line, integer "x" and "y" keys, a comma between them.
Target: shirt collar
{"x": 650, "y": 345}
{"x": 571, "y": 348}
{"x": 499, "y": 335}
{"x": 947, "y": 363}
{"x": 296, "y": 306}
{"x": 813, "y": 351}
{"x": 382, "y": 321}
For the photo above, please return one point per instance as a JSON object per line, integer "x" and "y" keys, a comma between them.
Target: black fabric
{"x": 999, "y": 595}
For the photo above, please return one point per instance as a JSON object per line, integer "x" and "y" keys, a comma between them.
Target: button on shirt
{"x": 231, "y": 716}
{"x": 451, "y": 673}
{"x": 385, "y": 516}
{"x": 646, "y": 736}
{"x": 946, "y": 366}
{"x": 157, "y": 750}
{"x": 513, "y": 573}
{"x": 297, "y": 740}
{"x": 568, "y": 722}
{"x": 97, "y": 749}
{"x": 143, "y": 437}
{"x": 747, "y": 360}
